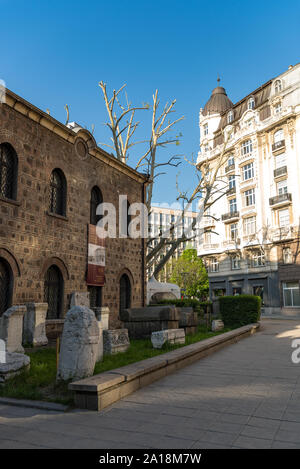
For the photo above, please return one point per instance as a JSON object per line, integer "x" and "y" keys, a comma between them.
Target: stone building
{"x": 251, "y": 244}
{"x": 52, "y": 177}
{"x": 160, "y": 220}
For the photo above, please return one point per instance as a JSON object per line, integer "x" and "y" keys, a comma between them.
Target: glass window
{"x": 214, "y": 265}
{"x": 249, "y": 225}
{"x": 96, "y": 199}
{"x": 232, "y": 205}
{"x": 248, "y": 171}
{"x": 205, "y": 128}
{"x": 251, "y": 103}
{"x": 287, "y": 255}
{"x": 249, "y": 197}
{"x": 229, "y": 117}
{"x": 8, "y": 171}
{"x": 291, "y": 296}
{"x": 230, "y": 161}
{"x": 246, "y": 148}
{"x": 280, "y": 160}
{"x": 278, "y": 86}
{"x": 235, "y": 262}
{"x": 236, "y": 291}
{"x": 278, "y": 136}
{"x": 233, "y": 231}
{"x": 231, "y": 181}
{"x": 258, "y": 259}
{"x": 284, "y": 217}
{"x": 282, "y": 187}
{"x": 277, "y": 108}
{"x": 57, "y": 195}
{"x": 259, "y": 291}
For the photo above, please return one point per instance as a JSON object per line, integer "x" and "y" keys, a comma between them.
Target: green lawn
{"x": 39, "y": 382}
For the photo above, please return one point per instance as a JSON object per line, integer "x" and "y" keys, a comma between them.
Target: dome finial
{"x": 218, "y": 79}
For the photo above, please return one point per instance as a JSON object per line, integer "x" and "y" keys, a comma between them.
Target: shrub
{"x": 237, "y": 311}
{"x": 198, "y": 306}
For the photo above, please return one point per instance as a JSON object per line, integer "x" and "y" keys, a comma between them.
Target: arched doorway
{"x": 125, "y": 292}
{"x": 6, "y": 285}
{"x": 53, "y": 292}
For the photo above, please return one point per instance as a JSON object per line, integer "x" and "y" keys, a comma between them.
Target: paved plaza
{"x": 246, "y": 395}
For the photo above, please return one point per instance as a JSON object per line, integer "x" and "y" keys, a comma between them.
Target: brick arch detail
{"x": 59, "y": 263}
{"x": 11, "y": 260}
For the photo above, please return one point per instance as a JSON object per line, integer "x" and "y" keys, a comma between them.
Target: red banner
{"x": 96, "y": 258}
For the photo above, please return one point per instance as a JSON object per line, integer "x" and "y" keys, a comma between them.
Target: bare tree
{"x": 210, "y": 187}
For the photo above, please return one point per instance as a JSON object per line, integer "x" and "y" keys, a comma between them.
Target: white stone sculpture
{"x": 170, "y": 336}
{"x": 11, "y": 328}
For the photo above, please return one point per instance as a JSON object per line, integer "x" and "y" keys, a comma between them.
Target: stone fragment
{"x": 14, "y": 364}
{"x": 11, "y": 328}
{"x": 170, "y": 336}
{"x": 217, "y": 325}
{"x": 115, "y": 341}
{"x": 79, "y": 344}
{"x": 34, "y": 324}
{"x": 188, "y": 320}
{"x": 141, "y": 322}
{"x": 79, "y": 298}
{"x": 102, "y": 314}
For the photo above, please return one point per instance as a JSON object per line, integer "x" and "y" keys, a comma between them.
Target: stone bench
{"x": 168, "y": 336}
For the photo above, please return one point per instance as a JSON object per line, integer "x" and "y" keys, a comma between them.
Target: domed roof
{"x": 218, "y": 102}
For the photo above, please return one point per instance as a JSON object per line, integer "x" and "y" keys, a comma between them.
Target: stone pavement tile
{"x": 226, "y": 427}
{"x": 291, "y": 416}
{"x": 219, "y": 438}
{"x": 234, "y": 418}
{"x": 270, "y": 412}
{"x": 252, "y": 443}
{"x": 264, "y": 422}
{"x": 289, "y": 436}
{"x": 13, "y": 444}
{"x": 205, "y": 445}
{"x": 290, "y": 426}
{"x": 285, "y": 445}
{"x": 259, "y": 432}
{"x": 172, "y": 431}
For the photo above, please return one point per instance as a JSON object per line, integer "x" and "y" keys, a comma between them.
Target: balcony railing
{"x": 287, "y": 197}
{"x": 280, "y": 171}
{"x": 230, "y": 167}
{"x": 231, "y": 242}
{"x": 230, "y": 215}
{"x": 210, "y": 246}
{"x": 232, "y": 190}
{"x": 278, "y": 146}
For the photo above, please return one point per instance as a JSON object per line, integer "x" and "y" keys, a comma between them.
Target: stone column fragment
{"x": 34, "y": 325}
{"x": 11, "y": 328}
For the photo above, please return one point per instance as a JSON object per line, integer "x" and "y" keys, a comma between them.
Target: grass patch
{"x": 39, "y": 382}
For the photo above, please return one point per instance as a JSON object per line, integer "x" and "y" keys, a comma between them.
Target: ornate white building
{"x": 251, "y": 243}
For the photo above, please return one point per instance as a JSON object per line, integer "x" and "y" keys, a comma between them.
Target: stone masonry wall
{"x": 31, "y": 239}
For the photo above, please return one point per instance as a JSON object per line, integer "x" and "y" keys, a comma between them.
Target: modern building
{"x": 160, "y": 221}
{"x": 52, "y": 178}
{"x": 252, "y": 244}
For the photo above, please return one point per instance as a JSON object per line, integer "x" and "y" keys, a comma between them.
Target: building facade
{"x": 53, "y": 177}
{"x": 160, "y": 221}
{"x": 251, "y": 244}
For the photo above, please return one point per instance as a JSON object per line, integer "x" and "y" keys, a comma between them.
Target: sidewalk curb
{"x": 34, "y": 404}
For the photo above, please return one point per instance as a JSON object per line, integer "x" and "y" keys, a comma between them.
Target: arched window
{"x": 6, "y": 286}
{"x": 229, "y": 117}
{"x": 96, "y": 199}
{"x": 53, "y": 292}
{"x": 58, "y": 192}
{"x": 125, "y": 292}
{"x": 251, "y": 103}
{"x": 278, "y": 86}
{"x": 278, "y": 136}
{"x": 8, "y": 171}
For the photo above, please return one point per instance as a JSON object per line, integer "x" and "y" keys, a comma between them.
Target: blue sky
{"x": 56, "y": 52}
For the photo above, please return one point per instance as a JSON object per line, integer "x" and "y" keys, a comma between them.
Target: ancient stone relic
{"x": 141, "y": 322}
{"x": 11, "y": 328}
{"x": 217, "y": 325}
{"x": 170, "y": 336}
{"x": 188, "y": 320}
{"x": 34, "y": 324}
{"x": 115, "y": 341}
{"x": 79, "y": 344}
{"x": 102, "y": 316}
{"x": 80, "y": 299}
{"x": 14, "y": 364}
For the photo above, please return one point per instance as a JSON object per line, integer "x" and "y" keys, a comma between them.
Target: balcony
{"x": 280, "y": 171}
{"x": 230, "y": 215}
{"x": 280, "y": 199}
{"x": 207, "y": 221}
{"x": 231, "y": 191}
{"x": 231, "y": 243}
{"x": 229, "y": 168}
{"x": 284, "y": 233}
{"x": 209, "y": 246}
{"x": 278, "y": 146}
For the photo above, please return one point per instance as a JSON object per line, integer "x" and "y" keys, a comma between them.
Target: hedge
{"x": 240, "y": 310}
{"x": 198, "y": 306}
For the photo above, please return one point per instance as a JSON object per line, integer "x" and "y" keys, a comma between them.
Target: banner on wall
{"x": 96, "y": 258}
